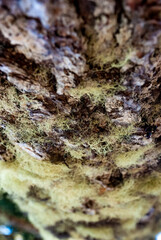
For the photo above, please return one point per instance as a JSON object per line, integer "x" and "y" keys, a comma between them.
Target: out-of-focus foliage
{"x": 7, "y": 206}
{"x": 8, "y": 209}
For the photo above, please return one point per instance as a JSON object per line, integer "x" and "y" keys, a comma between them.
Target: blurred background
{"x": 14, "y": 224}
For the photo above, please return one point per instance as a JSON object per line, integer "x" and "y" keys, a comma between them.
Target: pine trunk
{"x": 80, "y": 116}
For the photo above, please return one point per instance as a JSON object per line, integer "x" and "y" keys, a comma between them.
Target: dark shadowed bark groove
{"x": 80, "y": 116}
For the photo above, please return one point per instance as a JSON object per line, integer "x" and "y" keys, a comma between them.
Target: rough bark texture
{"x": 80, "y": 116}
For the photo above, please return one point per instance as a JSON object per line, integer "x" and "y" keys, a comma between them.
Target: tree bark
{"x": 80, "y": 116}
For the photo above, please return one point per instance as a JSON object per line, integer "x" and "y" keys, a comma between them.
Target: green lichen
{"x": 129, "y": 158}
{"x": 16, "y": 123}
{"x": 43, "y": 75}
{"x": 151, "y": 113}
{"x": 63, "y": 122}
{"x": 12, "y": 101}
{"x": 100, "y": 144}
{"x": 120, "y": 133}
{"x": 95, "y": 90}
{"x": 78, "y": 146}
{"x": 108, "y": 54}
{"x": 100, "y": 53}
{"x": 125, "y": 60}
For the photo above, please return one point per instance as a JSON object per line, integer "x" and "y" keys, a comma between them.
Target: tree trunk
{"x": 80, "y": 116}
